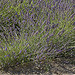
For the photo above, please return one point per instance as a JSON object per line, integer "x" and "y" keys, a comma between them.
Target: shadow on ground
{"x": 57, "y": 66}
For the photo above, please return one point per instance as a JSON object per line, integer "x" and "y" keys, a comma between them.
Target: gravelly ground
{"x": 59, "y": 66}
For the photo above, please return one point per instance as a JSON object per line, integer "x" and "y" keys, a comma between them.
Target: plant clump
{"x": 36, "y": 31}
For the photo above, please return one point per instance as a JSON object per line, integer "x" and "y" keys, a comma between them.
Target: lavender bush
{"x": 36, "y": 30}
